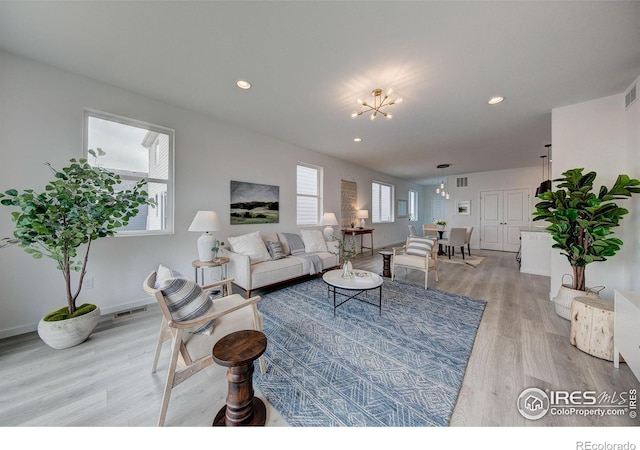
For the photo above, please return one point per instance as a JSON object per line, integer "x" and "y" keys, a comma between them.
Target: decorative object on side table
{"x": 581, "y": 223}
{"x": 329, "y": 220}
{"x": 206, "y": 222}
{"x": 217, "y": 246}
{"x": 78, "y": 207}
{"x": 346, "y": 251}
{"x": 441, "y": 224}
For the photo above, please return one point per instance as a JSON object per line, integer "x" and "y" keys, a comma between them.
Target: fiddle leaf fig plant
{"x": 82, "y": 203}
{"x": 581, "y": 221}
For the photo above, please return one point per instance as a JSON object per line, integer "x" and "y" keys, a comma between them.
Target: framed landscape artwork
{"x": 254, "y": 203}
{"x": 463, "y": 208}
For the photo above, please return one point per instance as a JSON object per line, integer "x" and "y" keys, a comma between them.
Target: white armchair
{"x": 191, "y": 349}
{"x": 417, "y": 254}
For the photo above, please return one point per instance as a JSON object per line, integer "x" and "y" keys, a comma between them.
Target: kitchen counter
{"x": 535, "y": 251}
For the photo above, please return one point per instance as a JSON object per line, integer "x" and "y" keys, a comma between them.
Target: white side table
{"x": 220, "y": 262}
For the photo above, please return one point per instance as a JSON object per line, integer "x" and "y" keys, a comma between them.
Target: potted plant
{"x": 441, "y": 224}
{"x": 217, "y": 246}
{"x": 580, "y": 225}
{"x": 346, "y": 251}
{"x": 80, "y": 205}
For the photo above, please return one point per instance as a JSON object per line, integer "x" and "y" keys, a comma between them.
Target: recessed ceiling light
{"x": 357, "y": 139}
{"x": 495, "y": 100}
{"x": 242, "y": 84}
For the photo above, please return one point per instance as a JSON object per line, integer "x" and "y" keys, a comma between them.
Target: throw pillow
{"x": 420, "y": 246}
{"x": 276, "y": 250}
{"x": 283, "y": 240}
{"x": 313, "y": 241}
{"x": 250, "y": 245}
{"x": 185, "y": 299}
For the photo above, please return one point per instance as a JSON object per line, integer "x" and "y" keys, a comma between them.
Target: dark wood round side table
{"x": 238, "y": 351}
{"x": 386, "y": 263}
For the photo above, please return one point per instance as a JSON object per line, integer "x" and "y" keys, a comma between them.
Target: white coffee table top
{"x": 363, "y": 279}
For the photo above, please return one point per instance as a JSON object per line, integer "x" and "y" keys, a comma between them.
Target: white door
{"x": 502, "y": 215}
{"x": 437, "y": 210}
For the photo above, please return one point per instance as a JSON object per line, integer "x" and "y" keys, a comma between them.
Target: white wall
{"x": 522, "y": 178}
{"x": 601, "y": 136}
{"x": 632, "y": 221}
{"x": 41, "y": 111}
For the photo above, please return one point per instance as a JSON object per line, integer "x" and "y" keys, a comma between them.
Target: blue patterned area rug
{"x": 361, "y": 369}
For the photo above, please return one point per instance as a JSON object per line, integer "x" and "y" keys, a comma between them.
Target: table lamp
{"x": 362, "y": 214}
{"x": 328, "y": 219}
{"x": 206, "y": 222}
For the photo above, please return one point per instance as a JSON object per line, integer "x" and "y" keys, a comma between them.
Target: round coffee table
{"x": 354, "y": 287}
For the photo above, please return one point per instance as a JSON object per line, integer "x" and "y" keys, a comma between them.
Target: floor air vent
{"x": 129, "y": 312}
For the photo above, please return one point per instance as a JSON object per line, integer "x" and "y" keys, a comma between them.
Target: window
{"x": 136, "y": 150}
{"x": 381, "y": 202}
{"x": 413, "y": 205}
{"x": 309, "y": 187}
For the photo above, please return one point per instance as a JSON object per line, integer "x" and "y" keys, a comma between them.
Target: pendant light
{"x": 441, "y": 189}
{"x": 546, "y": 184}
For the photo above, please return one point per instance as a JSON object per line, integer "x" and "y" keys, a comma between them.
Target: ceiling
{"x": 309, "y": 61}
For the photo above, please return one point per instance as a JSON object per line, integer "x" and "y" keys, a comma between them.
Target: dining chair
{"x": 430, "y": 229}
{"x": 457, "y": 237}
{"x": 467, "y": 240}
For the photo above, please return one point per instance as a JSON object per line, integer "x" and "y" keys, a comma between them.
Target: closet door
{"x": 491, "y": 206}
{"x": 502, "y": 215}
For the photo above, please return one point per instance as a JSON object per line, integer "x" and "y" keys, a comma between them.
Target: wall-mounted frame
{"x": 463, "y": 208}
{"x": 402, "y": 209}
{"x": 254, "y": 203}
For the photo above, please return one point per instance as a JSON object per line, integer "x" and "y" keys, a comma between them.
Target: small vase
{"x": 346, "y": 270}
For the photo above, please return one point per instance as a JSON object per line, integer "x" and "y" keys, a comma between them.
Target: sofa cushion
{"x": 250, "y": 245}
{"x": 313, "y": 241}
{"x": 285, "y": 245}
{"x": 275, "y": 249}
{"x": 419, "y": 246}
{"x": 270, "y": 272}
{"x": 185, "y": 298}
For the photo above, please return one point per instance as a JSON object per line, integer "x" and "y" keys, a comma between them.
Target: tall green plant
{"x": 80, "y": 205}
{"x": 581, "y": 221}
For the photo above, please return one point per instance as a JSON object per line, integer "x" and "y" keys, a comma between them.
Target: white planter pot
{"x": 562, "y": 301}
{"x": 68, "y": 333}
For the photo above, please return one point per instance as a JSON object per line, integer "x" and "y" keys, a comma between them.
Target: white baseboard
{"x": 105, "y": 314}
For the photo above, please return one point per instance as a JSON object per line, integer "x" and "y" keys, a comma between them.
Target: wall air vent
{"x": 630, "y": 96}
{"x": 461, "y": 182}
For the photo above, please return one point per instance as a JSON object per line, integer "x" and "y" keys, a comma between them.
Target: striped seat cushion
{"x": 185, "y": 299}
{"x": 420, "y": 246}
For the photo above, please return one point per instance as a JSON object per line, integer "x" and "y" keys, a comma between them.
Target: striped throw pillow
{"x": 420, "y": 246}
{"x": 276, "y": 250}
{"x": 185, "y": 299}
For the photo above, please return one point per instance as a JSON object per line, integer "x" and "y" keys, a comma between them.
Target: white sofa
{"x": 251, "y": 268}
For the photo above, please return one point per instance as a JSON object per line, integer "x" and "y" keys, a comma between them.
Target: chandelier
{"x": 442, "y": 188}
{"x": 379, "y": 102}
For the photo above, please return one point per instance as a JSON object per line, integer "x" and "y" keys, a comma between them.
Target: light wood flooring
{"x": 106, "y": 381}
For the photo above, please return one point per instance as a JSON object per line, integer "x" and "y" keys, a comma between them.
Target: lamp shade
{"x": 329, "y": 219}
{"x": 205, "y": 221}
{"x": 362, "y": 214}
